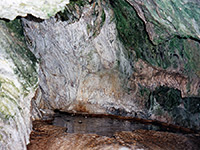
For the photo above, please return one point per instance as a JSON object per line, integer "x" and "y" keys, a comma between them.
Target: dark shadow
{"x": 30, "y": 17}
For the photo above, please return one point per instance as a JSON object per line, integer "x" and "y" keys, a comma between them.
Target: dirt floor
{"x": 46, "y": 136}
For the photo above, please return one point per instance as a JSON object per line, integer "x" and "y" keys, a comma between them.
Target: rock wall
{"x": 83, "y": 65}
{"x": 18, "y": 82}
{"x": 171, "y": 66}
{"x": 164, "y": 19}
{"x": 96, "y": 57}
{"x": 131, "y": 58}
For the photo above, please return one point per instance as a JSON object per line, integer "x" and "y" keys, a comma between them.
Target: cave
{"x": 99, "y": 74}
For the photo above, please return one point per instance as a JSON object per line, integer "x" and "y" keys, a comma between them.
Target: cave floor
{"x": 80, "y": 132}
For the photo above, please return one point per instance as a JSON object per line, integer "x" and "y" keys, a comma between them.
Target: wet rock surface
{"x": 49, "y": 137}
{"x": 106, "y": 125}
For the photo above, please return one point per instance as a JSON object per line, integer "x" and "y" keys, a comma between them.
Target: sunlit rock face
{"x": 18, "y": 81}
{"x": 164, "y": 19}
{"x": 96, "y": 57}
{"x": 39, "y": 8}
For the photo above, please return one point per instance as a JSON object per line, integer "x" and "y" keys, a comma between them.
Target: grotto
{"x": 100, "y": 74}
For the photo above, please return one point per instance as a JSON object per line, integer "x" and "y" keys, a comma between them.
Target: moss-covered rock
{"x": 165, "y": 19}
{"x": 176, "y": 54}
{"x": 166, "y": 97}
{"x": 18, "y": 82}
{"x": 167, "y": 103}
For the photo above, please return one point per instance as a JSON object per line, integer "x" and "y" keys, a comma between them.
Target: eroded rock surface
{"x": 18, "y": 82}
{"x": 151, "y": 77}
{"x": 83, "y": 65}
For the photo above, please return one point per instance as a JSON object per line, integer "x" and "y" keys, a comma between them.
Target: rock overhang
{"x": 43, "y": 9}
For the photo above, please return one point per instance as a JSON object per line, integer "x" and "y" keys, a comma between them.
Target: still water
{"x": 105, "y": 126}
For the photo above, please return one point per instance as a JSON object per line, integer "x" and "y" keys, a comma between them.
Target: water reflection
{"x": 100, "y": 125}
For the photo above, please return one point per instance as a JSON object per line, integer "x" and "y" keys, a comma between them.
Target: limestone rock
{"x": 18, "y": 81}
{"x": 10, "y": 9}
{"x": 83, "y": 65}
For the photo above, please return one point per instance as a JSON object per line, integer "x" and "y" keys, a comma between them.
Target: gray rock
{"x": 83, "y": 65}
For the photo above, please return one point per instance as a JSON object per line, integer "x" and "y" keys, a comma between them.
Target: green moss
{"x": 130, "y": 27}
{"x": 28, "y": 71}
{"x": 24, "y": 60}
{"x": 171, "y": 18}
{"x": 69, "y": 13}
{"x": 168, "y": 98}
{"x": 168, "y": 101}
{"x": 158, "y": 111}
{"x": 9, "y": 96}
{"x": 144, "y": 91}
{"x": 5, "y": 82}
{"x": 191, "y": 53}
{"x": 15, "y": 28}
{"x": 1, "y": 137}
{"x": 172, "y": 53}
{"x": 5, "y": 113}
{"x": 103, "y": 17}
